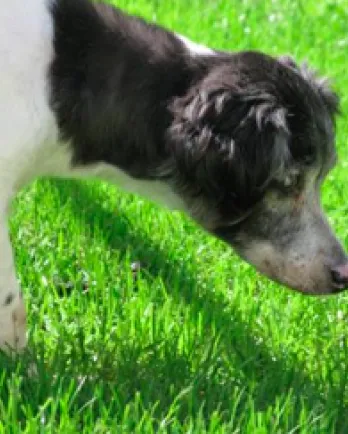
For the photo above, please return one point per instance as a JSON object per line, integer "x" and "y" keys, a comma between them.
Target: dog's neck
{"x": 115, "y": 76}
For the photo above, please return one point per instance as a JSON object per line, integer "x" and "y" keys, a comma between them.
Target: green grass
{"x": 199, "y": 342}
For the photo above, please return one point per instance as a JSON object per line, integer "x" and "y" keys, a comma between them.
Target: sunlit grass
{"x": 197, "y": 341}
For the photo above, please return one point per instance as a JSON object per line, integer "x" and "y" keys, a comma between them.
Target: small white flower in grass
{"x": 342, "y": 43}
{"x": 224, "y": 23}
{"x": 340, "y": 315}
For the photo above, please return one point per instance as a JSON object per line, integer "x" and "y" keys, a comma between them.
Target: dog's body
{"x": 239, "y": 141}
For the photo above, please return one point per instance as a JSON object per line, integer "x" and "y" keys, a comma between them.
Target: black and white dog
{"x": 240, "y": 141}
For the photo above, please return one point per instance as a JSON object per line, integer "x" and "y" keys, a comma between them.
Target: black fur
{"x": 112, "y": 79}
{"x": 217, "y": 128}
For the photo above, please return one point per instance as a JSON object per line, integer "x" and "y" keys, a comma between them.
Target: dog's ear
{"x": 320, "y": 84}
{"x": 224, "y": 141}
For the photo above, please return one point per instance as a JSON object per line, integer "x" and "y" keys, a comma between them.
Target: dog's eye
{"x": 286, "y": 185}
{"x": 291, "y": 182}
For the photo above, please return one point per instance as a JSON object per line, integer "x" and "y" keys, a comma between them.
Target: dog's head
{"x": 251, "y": 144}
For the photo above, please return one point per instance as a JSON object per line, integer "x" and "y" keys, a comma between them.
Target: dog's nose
{"x": 340, "y": 276}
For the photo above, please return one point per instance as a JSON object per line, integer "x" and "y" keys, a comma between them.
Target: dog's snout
{"x": 340, "y": 276}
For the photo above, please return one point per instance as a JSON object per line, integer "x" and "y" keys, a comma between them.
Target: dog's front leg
{"x": 12, "y": 308}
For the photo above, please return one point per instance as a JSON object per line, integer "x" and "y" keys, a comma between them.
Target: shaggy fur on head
{"x": 244, "y": 125}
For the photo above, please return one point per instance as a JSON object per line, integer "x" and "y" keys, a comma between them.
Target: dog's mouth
{"x": 323, "y": 288}
{"x": 312, "y": 281}
{"x": 310, "y": 290}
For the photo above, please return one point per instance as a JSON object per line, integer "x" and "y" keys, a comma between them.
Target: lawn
{"x": 196, "y": 341}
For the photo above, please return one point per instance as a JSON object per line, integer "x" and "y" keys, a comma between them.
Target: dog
{"x": 240, "y": 141}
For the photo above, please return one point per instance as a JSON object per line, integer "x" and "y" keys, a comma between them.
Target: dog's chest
{"x": 57, "y": 162}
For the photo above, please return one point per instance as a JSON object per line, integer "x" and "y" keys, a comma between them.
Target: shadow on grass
{"x": 161, "y": 379}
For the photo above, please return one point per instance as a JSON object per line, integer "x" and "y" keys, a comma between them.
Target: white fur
{"x": 55, "y": 160}
{"x": 194, "y": 48}
{"x": 26, "y": 123}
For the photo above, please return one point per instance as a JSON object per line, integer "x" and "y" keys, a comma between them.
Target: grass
{"x": 198, "y": 342}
